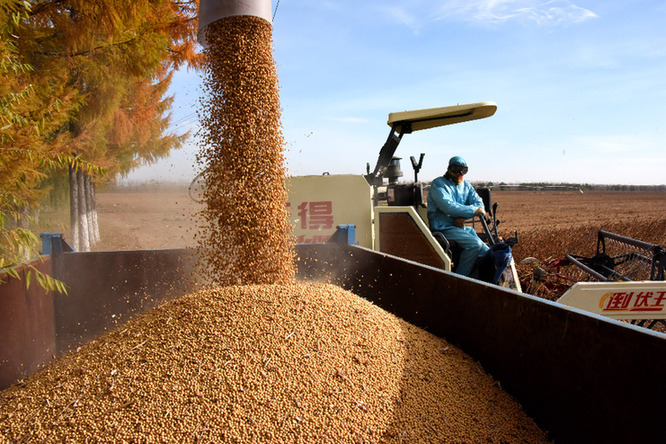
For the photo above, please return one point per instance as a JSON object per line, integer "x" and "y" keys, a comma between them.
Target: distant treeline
{"x": 568, "y": 187}
{"x": 144, "y": 187}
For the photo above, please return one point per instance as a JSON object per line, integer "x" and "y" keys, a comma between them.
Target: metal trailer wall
{"x": 27, "y": 325}
{"x": 106, "y": 288}
{"x": 582, "y": 377}
{"x": 103, "y": 290}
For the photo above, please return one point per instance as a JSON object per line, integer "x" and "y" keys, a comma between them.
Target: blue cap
{"x": 457, "y": 161}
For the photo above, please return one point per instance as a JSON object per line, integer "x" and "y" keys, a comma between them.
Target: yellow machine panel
{"x": 318, "y": 204}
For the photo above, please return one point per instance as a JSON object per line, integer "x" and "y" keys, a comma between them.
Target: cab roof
{"x": 409, "y": 121}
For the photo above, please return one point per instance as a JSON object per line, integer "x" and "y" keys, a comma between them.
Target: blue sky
{"x": 580, "y": 88}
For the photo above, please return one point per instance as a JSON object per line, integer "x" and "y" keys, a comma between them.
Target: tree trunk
{"x": 92, "y": 211}
{"x": 22, "y": 221}
{"x": 74, "y": 206}
{"x": 84, "y": 233}
{"x": 94, "y": 207}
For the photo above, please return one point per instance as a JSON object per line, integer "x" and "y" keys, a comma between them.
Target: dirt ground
{"x": 146, "y": 220}
{"x": 164, "y": 219}
{"x": 528, "y": 210}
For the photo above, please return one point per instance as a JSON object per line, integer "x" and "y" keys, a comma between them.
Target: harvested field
{"x": 551, "y": 223}
{"x": 145, "y": 220}
{"x": 548, "y": 223}
{"x": 152, "y": 219}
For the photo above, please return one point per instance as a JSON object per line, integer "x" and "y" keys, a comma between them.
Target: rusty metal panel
{"x": 107, "y": 288}
{"x": 399, "y": 236}
{"x": 27, "y": 326}
{"x": 582, "y": 377}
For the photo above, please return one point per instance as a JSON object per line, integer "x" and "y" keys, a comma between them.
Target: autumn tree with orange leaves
{"x": 98, "y": 71}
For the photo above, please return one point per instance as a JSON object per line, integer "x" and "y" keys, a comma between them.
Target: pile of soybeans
{"x": 265, "y": 363}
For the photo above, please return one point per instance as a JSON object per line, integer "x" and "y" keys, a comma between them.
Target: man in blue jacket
{"x": 451, "y": 201}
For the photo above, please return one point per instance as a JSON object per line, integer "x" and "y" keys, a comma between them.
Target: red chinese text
{"x": 636, "y": 301}
{"x": 315, "y": 215}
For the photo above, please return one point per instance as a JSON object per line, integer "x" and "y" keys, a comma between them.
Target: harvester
{"x": 384, "y": 214}
{"x": 582, "y": 377}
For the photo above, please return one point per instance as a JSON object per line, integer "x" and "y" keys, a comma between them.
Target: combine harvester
{"x": 378, "y": 212}
{"x": 583, "y": 377}
{"x": 622, "y": 278}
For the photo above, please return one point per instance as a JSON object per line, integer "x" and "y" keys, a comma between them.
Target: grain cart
{"x": 571, "y": 370}
{"x": 387, "y": 215}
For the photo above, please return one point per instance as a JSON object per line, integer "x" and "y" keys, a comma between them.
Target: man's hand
{"x": 481, "y": 212}
{"x": 459, "y": 222}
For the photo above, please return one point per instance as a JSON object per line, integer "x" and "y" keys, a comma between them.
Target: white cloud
{"x": 400, "y": 15}
{"x": 541, "y": 12}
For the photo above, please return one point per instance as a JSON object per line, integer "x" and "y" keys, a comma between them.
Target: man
{"x": 451, "y": 201}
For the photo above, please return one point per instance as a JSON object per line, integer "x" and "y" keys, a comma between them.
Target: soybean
{"x": 243, "y": 234}
{"x": 265, "y": 363}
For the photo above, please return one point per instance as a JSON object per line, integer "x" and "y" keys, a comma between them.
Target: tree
{"x": 82, "y": 86}
{"x": 29, "y": 144}
{"x": 118, "y": 56}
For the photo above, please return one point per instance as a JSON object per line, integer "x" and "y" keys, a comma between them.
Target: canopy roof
{"x": 409, "y": 121}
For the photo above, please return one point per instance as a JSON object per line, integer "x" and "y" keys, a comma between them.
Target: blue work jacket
{"x": 448, "y": 201}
